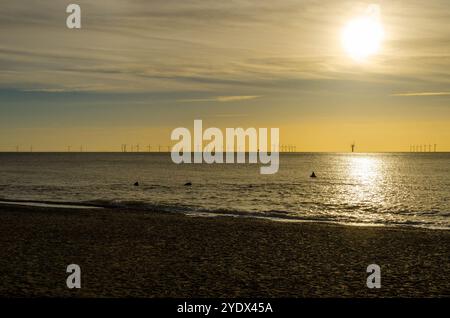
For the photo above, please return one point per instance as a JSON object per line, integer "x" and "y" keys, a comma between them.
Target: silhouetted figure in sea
{"x": 136, "y": 184}
{"x": 313, "y": 175}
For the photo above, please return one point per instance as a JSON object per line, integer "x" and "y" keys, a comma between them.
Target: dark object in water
{"x": 313, "y": 175}
{"x": 187, "y": 184}
{"x": 136, "y": 184}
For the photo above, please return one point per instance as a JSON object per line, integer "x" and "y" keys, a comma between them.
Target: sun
{"x": 362, "y": 36}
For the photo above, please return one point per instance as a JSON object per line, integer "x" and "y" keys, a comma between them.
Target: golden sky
{"x": 138, "y": 69}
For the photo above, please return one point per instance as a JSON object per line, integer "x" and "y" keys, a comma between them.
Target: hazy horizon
{"x": 75, "y": 151}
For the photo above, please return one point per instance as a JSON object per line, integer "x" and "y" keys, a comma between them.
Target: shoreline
{"x": 124, "y": 253}
{"x": 200, "y": 214}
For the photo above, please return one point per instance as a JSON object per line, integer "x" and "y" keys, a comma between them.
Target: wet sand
{"x": 133, "y": 254}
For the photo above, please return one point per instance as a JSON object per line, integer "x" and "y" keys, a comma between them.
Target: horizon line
{"x": 168, "y": 152}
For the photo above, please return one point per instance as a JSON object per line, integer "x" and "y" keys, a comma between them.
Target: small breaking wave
{"x": 49, "y": 204}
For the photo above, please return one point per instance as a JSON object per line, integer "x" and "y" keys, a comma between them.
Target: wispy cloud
{"x": 220, "y": 99}
{"x": 422, "y": 94}
{"x": 159, "y": 45}
{"x": 229, "y": 115}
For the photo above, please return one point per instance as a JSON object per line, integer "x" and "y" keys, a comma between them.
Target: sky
{"x": 137, "y": 69}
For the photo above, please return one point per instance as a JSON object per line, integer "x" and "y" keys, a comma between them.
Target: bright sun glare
{"x": 362, "y": 36}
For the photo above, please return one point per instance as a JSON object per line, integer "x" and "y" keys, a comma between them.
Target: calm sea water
{"x": 386, "y": 189}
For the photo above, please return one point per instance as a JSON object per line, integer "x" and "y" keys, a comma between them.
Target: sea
{"x": 376, "y": 189}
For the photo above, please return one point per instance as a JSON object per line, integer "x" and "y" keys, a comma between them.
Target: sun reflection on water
{"x": 365, "y": 174}
{"x": 364, "y": 169}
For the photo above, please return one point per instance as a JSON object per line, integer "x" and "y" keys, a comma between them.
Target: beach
{"x": 123, "y": 253}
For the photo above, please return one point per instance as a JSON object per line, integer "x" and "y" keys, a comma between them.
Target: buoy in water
{"x": 313, "y": 175}
{"x": 136, "y": 184}
{"x": 187, "y": 184}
